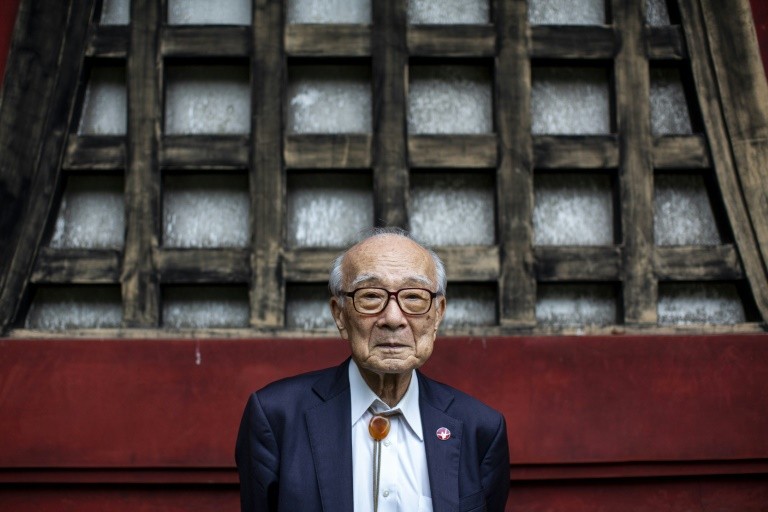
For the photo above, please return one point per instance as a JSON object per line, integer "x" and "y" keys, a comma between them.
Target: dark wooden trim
{"x": 736, "y": 107}
{"x": 328, "y": 151}
{"x": 95, "y": 153}
{"x": 108, "y": 42}
{"x": 471, "y": 263}
{"x": 452, "y": 151}
{"x": 389, "y": 152}
{"x": 576, "y": 151}
{"x": 204, "y": 152}
{"x": 77, "y": 266}
{"x": 665, "y": 43}
{"x": 267, "y": 187}
{"x": 573, "y": 42}
{"x": 140, "y": 288}
{"x": 205, "y": 41}
{"x": 578, "y": 263}
{"x": 681, "y": 152}
{"x": 514, "y": 193}
{"x": 327, "y": 40}
{"x": 42, "y": 80}
{"x": 451, "y": 41}
{"x": 698, "y": 263}
{"x": 203, "y": 265}
{"x": 632, "y": 86}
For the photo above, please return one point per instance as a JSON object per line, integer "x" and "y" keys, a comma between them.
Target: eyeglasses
{"x": 412, "y": 301}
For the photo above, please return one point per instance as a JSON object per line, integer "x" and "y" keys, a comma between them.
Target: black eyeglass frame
{"x": 390, "y": 294}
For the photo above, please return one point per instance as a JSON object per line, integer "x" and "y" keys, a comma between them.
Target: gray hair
{"x": 336, "y": 276}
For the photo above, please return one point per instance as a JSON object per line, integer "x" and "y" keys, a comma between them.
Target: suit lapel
{"x": 442, "y": 455}
{"x": 331, "y": 445}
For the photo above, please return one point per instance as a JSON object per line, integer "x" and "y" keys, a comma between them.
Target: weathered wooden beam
{"x": 575, "y": 151}
{"x": 514, "y": 194}
{"x": 555, "y": 264}
{"x": 697, "y": 263}
{"x": 267, "y": 287}
{"x": 451, "y": 41}
{"x": 204, "y": 152}
{"x": 471, "y": 263}
{"x": 665, "y": 43}
{"x": 309, "y": 265}
{"x": 202, "y": 41}
{"x": 632, "y": 89}
{"x": 327, "y": 40}
{"x": 389, "y": 152}
{"x": 328, "y": 151}
{"x": 108, "y": 42}
{"x": 140, "y": 288}
{"x": 77, "y": 266}
{"x": 681, "y": 152}
{"x": 95, "y": 153}
{"x": 573, "y": 42}
{"x": 452, "y": 151}
{"x": 203, "y": 265}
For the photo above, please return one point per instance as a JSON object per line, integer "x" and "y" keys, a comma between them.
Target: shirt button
{"x": 385, "y": 493}
{"x": 387, "y": 442}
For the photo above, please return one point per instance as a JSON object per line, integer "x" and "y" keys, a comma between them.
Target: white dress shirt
{"x": 404, "y": 480}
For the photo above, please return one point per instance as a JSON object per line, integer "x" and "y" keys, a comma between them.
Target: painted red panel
{"x": 177, "y": 403}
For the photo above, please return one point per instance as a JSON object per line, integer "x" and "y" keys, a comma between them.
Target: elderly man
{"x": 374, "y": 434}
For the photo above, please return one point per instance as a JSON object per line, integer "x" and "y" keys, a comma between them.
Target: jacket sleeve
{"x": 258, "y": 460}
{"x": 495, "y": 470}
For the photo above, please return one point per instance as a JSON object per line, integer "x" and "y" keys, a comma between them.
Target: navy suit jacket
{"x": 294, "y": 448}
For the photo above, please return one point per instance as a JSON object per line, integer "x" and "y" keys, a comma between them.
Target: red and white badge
{"x": 443, "y": 434}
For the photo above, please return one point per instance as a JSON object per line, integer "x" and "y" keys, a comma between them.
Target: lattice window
{"x": 204, "y": 166}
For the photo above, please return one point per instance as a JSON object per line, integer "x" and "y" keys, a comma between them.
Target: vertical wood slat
{"x": 734, "y": 109}
{"x": 140, "y": 287}
{"x": 389, "y": 51}
{"x": 38, "y": 97}
{"x": 632, "y": 86}
{"x": 267, "y": 290}
{"x": 514, "y": 194}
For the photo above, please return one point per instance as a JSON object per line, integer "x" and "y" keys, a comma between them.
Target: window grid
{"x": 514, "y": 264}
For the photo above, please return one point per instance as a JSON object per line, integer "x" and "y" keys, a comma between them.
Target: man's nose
{"x": 392, "y": 313}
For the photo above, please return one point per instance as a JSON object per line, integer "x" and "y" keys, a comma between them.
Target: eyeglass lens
{"x": 413, "y": 301}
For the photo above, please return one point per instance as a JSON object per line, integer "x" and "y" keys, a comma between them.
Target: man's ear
{"x": 439, "y": 311}
{"x": 337, "y": 311}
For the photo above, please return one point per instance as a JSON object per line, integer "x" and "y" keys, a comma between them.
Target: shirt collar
{"x": 362, "y": 398}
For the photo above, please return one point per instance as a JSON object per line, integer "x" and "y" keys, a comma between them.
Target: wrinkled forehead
{"x": 389, "y": 259}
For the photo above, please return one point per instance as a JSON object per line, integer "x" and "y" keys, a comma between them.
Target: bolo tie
{"x": 378, "y": 427}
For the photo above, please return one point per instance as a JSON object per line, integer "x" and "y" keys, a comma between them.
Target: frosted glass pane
{"x": 115, "y": 12}
{"x": 570, "y": 101}
{"x": 470, "y": 305}
{"x": 104, "y": 108}
{"x": 669, "y": 110}
{"x": 206, "y": 211}
{"x": 572, "y": 210}
{"x": 306, "y": 307}
{"x": 195, "y": 307}
{"x": 699, "y": 303}
{"x": 207, "y": 99}
{"x": 438, "y": 12}
{"x": 566, "y": 12}
{"x": 450, "y": 99}
{"x": 329, "y": 11}
{"x": 576, "y": 304}
{"x": 683, "y": 214}
{"x": 329, "y": 99}
{"x": 453, "y": 209}
{"x": 75, "y": 307}
{"x": 91, "y": 214}
{"x": 328, "y": 210}
{"x": 205, "y": 12}
{"x": 656, "y": 13}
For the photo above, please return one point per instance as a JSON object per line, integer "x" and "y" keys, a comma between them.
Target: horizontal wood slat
{"x": 578, "y": 263}
{"x": 203, "y": 265}
{"x": 681, "y": 152}
{"x": 452, "y": 151}
{"x": 77, "y": 266}
{"x": 204, "y": 152}
{"x": 451, "y": 40}
{"x": 665, "y": 43}
{"x": 327, "y": 40}
{"x": 317, "y": 151}
{"x": 699, "y": 263}
{"x": 108, "y": 42}
{"x": 95, "y": 153}
{"x": 205, "y": 41}
{"x": 575, "y": 152}
{"x": 573, "y": 42}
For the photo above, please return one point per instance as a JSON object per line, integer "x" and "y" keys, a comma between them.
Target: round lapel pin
{"x": 443, "y": 434}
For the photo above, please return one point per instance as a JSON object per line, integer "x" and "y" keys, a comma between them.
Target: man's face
{"x": 389, "y": 341}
